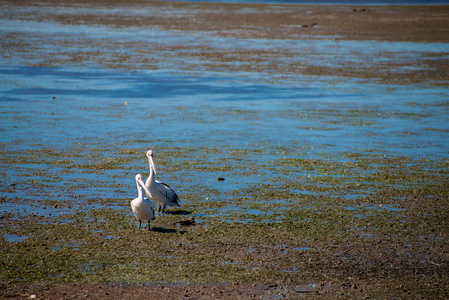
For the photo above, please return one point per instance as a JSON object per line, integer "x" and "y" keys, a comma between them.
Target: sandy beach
{"x": 319, "y": 236}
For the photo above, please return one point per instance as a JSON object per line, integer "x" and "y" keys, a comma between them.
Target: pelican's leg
{"x": 163, "y": 209}
{"x": 149, "y": 225}
{"x": 140, "y": 224}
{"x": 159, "y": 209}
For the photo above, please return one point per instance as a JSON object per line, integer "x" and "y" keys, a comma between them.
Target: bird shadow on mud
{"x": 179, "y": 212}
{"x": 165, "y": 230}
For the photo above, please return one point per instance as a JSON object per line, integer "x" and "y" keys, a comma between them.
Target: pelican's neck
{"x": 150, "y": 179}
{"x": 139, "y": 191}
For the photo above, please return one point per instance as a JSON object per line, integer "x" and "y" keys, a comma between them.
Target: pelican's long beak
{"x": 142, "y": 184}
{"x": 150, "y": 159}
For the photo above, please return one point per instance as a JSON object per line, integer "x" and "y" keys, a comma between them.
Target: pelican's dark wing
{"x": 169, "y": 193}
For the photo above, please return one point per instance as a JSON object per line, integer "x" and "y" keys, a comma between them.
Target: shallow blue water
{"x": 58, "y": 106}
{"x": 98, "y": 112}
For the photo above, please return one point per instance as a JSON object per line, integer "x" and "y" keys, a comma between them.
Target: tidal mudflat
{"x": 328, "y": 124}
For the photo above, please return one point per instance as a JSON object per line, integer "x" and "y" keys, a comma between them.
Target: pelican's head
{"x": 150, "y": 160}
{"x": 142, "y": 184}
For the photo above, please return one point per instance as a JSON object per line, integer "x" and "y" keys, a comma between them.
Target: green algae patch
{"x": 288, "y": 219}
{"x": 284, "y": 245}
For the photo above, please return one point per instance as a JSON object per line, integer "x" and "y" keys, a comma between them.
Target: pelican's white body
{"x": 142, "y": 207}
{"x": 159, "y": 192}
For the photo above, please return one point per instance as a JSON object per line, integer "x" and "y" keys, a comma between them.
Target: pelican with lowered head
{"x": 160, "y": 193}
{"x": 142, "y": 207}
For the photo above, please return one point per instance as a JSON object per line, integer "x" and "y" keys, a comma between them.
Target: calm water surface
{"x": 85, "y": 113}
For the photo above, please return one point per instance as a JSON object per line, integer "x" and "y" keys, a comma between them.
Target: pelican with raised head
{"x": 160, "y": 193}
{"x": 142, "y": 207}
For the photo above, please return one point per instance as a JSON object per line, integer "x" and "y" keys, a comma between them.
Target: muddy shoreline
{"x": 360, "y": 223}
{"x": 408, "y": 24}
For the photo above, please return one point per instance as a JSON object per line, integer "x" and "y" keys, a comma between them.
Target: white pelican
{"x": 160, "y": 192}
{"x": 142, "y": 207}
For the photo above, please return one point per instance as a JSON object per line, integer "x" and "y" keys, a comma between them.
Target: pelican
{"x": 142, "y": 207}
{"x": 160, "y": 192}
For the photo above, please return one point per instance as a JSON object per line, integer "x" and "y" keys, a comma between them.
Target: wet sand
{"x": 393, "y": 246}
